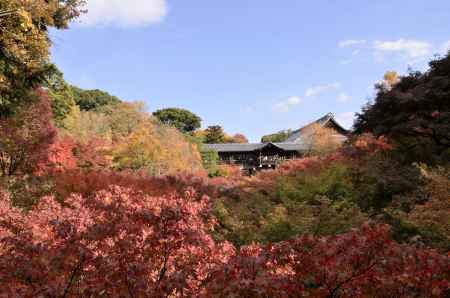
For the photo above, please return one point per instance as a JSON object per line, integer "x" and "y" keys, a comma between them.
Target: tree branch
{"x": 72, "y": 277}
{"x": 6, "y": 13}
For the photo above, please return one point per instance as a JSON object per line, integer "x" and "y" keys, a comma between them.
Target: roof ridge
{"x": 329, "y": 115}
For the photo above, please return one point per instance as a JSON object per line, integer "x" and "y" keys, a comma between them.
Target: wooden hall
{"x": 259, "y": 156}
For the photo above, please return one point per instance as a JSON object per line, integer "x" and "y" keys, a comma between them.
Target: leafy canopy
{"x": 26, "y": 137}
{"x": 24, "y": 45}
{"x": 92, "y": 100}
{"x": 414, "y": 112}
{"x": 214, "y": 135}
{"x": 183, "y": 120}
{"x": 278, "y": 137}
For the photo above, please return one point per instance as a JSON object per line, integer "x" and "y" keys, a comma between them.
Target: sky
{"x": 254, "y": 67}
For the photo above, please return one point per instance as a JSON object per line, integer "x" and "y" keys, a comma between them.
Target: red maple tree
{"x": 26, "y": 137}
{"x": 123, "y": 243}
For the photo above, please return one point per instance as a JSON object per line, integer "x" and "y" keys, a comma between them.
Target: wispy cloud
{"x": 343, "y": 98}
{"x": 351, "y": 42}
{"x": 130, "y": 13}
{"x": 318, "y": 90}
{"x": 287, "y": 104}
{"x": 409, "y": 48}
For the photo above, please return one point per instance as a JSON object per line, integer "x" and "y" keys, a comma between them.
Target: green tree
{"x": 89, "y": 100}
{"x": 61, "y": 95}
{"x": 209, "y": 161}
{"x": 214, "y": 135}
{"x": 414, "y": 114}
{"x": 183, "y": 120}
{"x": 24, "y": 44}
{"x": 278, "y": 137}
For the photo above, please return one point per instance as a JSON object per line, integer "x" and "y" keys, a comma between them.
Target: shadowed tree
{"x": 414, "y": 114}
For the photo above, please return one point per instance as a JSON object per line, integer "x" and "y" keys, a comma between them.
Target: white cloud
{"x": 343, "y": 98}
{"x": 317, "y": 90}
{"x": 129, "y": 13}
{"x": 285, "y": 105}
{"x": 351, "y": 42}
{"x": 346, "y": 119}
{"x": 409, "y": 48}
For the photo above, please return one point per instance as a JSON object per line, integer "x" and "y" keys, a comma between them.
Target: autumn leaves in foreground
{"x": 125, "y": 243}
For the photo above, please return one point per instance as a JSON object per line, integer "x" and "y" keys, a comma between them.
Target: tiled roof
{"x": 300, "y": 146}
{"x": 254, "y": 147}
{"x": 233, "y": 147}
{"x": 297, "y": 135}
{"x": 297, "y": 141}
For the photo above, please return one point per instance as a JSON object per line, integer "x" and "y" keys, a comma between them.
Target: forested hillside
{"x": 100, "y": 198}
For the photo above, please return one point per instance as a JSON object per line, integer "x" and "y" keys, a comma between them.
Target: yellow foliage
{"x": 322, "y": 140}
{"x": 157, "y": 149}
{"x": 391, "y": 78}
{"x": 83, "y": 125}
{"x": 138, "y": 142}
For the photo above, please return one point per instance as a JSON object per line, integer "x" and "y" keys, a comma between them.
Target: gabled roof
{"x": 232, "y": 147}
{"x": 297, "y": 141}
{"x": 254, "y": 147}
{"x": 327, "y": 120}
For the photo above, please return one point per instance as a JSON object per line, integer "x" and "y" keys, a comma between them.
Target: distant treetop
{"x": 278, "y": 137}
{"x": 89, "y": 100}
{"x": 214, "y": 135}
{"x": 184, "y": 120}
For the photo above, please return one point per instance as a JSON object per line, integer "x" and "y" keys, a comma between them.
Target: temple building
{"x": 259, "y": 156}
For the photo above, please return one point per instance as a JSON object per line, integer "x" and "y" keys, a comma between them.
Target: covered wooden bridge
{"x": 259, "y": 156}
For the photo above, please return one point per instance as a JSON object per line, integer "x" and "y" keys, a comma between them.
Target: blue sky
{"x": 254, "y": 67}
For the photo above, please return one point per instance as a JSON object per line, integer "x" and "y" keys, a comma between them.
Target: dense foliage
{"x": 26, "y": 137}
{"x": 159, "y": 150}
{"x": 182, "y": 119}
{"x": 61, "y": 95}
{"x": 116, "y": 242}
{"x": 214, "y": 135}
{"x": 120, "y": 242}
{"x": 89, "y": 100}
{"x": 414, "y": 113}
{"x": 24, "y": 45}
{"x": 364, "y": 263}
